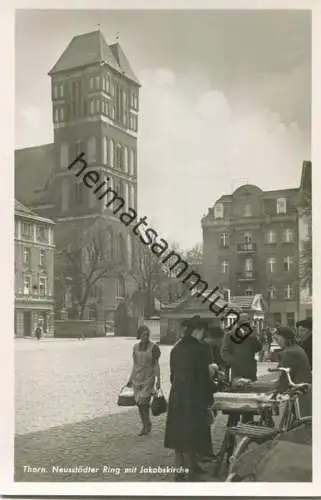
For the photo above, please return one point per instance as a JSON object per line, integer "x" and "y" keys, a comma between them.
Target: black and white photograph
{"x": 163, "y": 316}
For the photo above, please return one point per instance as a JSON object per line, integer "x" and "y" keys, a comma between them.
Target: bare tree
{"x": 306, "y": 248}
{"x": 86, "y": 260}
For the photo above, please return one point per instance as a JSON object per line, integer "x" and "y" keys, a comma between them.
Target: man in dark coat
{"x": 188, "y": 426}
{"x": 240, "y": 356}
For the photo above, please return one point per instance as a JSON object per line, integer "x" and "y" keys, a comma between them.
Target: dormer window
{"x": 248, "y": 210}
{"x": 281, "y": 206}
{"x": 219, "y": 211}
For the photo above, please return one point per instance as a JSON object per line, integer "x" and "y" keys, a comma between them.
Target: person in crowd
{"x": 306, "y": 337}
{"x": 187, "y": 429}
{"x": 293, "y": 356}
{"x": 145, "y": 373}
{"x": 38, "y": 332}
{"x": 240, "y": 357}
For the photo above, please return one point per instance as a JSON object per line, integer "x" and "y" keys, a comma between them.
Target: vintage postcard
{"x": 161, "y": 328}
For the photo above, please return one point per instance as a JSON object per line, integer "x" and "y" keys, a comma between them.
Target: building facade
{"x": 304, "y": 207}
{"x": 34, "y": 272}
{"x": 95, "y": 107}
{"x": 251, "y": 247}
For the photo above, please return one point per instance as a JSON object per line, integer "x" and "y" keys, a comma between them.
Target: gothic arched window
{"x": 64, "y": 155}
{"x": 92, "y": 149}
{"x": 111, "y": 153}
{"x": 125, "y": 157}
{"x": 131, "y": 162}
{"x": 120, "y": 287}
{"x": 105, "y": 150}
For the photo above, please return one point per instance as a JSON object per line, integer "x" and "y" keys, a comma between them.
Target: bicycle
{"x": 260, "y": 434}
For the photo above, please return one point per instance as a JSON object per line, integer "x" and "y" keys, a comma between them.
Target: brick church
{"x": 95, "y": 105}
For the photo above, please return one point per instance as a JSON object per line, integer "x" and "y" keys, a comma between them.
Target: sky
{"x": 225, "y": 100}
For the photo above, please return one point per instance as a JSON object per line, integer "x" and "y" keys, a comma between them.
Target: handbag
{"x": 126, "y": 397}
{"x": 159, "y": 404}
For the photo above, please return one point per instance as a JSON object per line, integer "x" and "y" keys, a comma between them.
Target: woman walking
{"x": 144, "y": 374}
{"x": 188, "y": 425}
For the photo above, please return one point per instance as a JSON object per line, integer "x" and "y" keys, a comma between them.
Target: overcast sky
{"x": 225, "y": 100}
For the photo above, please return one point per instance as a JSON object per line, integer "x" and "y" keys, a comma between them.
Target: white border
{"x": 7, "y": 486}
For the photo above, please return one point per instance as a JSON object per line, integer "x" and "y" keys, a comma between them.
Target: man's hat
{"x": 286, "y": 333}
{"x": 195, "y": 322}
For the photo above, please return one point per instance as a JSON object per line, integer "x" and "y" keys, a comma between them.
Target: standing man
{"x": 38, "y": 331}
{"x": 188, "y": 427}
{"x": 240, "y": 357}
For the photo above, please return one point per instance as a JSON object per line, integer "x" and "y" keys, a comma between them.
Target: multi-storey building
{"x": 251, "y": 247}
{"x": 34, "y": 272}
{"x": 95, "y": 103}
{"x": 304, "y": 206}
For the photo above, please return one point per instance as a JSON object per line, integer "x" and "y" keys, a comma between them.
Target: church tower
{"x": 95, "y": 106}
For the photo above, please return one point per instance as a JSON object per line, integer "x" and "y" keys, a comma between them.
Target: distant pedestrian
{"x": 188, "y": 426}
{"x": 145, "y": 374}
{"x": 38, "y": 332}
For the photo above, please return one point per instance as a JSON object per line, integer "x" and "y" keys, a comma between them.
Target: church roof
{"x": 123, "y": 62}
{"x": 33, "y": 167}
{"x": 21, "y": 210}
{"x": 91, "y": 48}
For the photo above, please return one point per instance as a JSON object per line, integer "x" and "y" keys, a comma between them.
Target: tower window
{"x": 111, "y": 153}
{"x": 91, "y": 83}
{"x": 97, "y": 106}
{"x": 97, "y": 82}
{"x": 91, "y": 150}
{"x": 92, "y": 107}
{"x": 61, "y": 89}
{"x": 64, "y": 155}
{"x": 281, "y": 206}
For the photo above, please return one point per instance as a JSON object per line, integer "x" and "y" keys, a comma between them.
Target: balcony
{"x": 246, "y": 276}
{"x": 33, "y": 297}
{"x": 246, "y": 247}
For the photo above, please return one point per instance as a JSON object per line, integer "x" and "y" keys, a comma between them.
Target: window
{"x": 131, "y": 162}
{"x": 42, "y": 286}
{"x": 61, "y": 87}
{"x": 131, "y": 197}
{"x": 288, "y": 292}
{"x": 218, "y": 211}
{"x": 78, "y": 193}
{"x": 55, "y": 92}
{"x": 125, "y": 157}
{"x": 91, "y": 149}
{"x": 107, "y": 79}
{"x": 290, "y": 319}
{"x": 64, "y": 155}
{"x": 78, "y": 147}
{"x": 271, "y": 264}
{"x": 97, "y": 81}
{"x": 248, "y": 265}
{"x": 27, "y": 229}
{"x": 248, "y": 239}
{"x": 42, "y": 256}
{"x": 271, "y": 237}
{"x": 272, "y": 292}
{"x": 288, "y": 236}
{"x": 248, "y": 210}
{"x": 62, "y": 115}
{"x": 91, "y": 83}
{"x": 281, "y": 206}
{"x": 97, "y": 105}
{"x": 307, "y": 230}
{"x": 26, "y": 255}
{"x": 92, "y": 106}
{"x": 288, "y": 263}
{"x": 56, "y": 117}
{"x": 225, "y": 240}
{"x": 105, "y": 150}
{"x": 118, "y": 159}
{"x": 111, "y": 153}
{"x": 27, "y": 285}
{"x": 16, "y": 228}
{"x": 224, "y": 266}
{"x": 130, "y": 251}
{"x": 249, "y": 292}
{"x": 42, "y": 233}
{"x": 126, "y": 196}
{"x": 103, "y": 83}
{"x": 120, "y": 287}
{"x": 124, "y": 103}
{"x": 277, "y": 318}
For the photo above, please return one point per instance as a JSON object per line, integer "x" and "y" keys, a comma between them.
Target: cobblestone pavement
{"x": 66, "y": 413}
